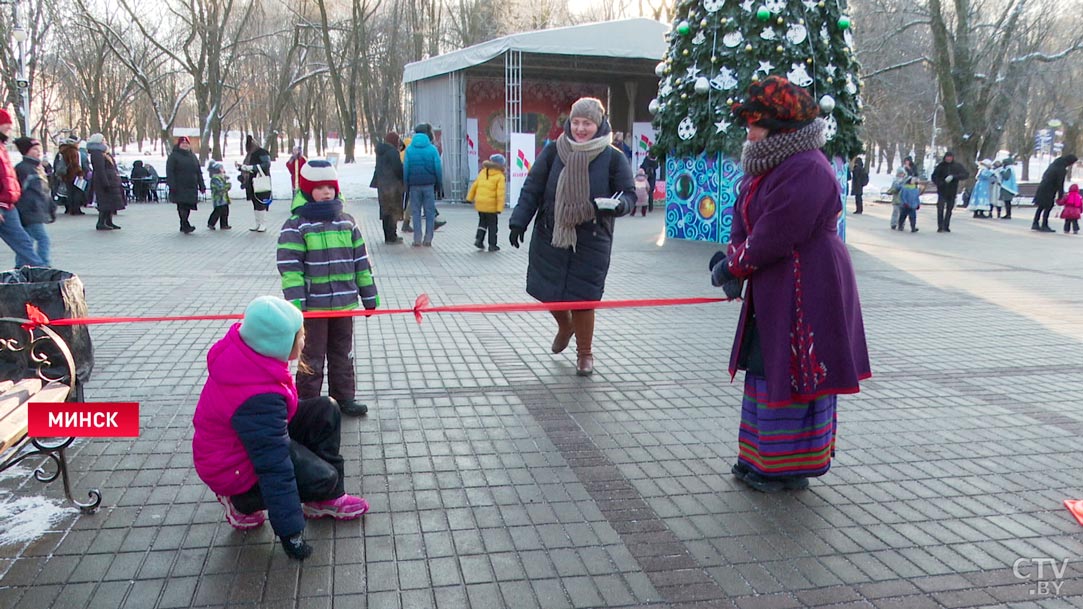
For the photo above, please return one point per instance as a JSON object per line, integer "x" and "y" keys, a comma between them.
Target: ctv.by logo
{"x": 521, "y": 161}
{"x": 1034, "y": 570}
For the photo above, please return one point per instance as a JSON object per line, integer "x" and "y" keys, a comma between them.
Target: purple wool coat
{"x": 785, "y": 244}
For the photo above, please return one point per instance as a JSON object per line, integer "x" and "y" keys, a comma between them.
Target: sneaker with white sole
{"x": 346, "y": 507}
{"x": 239, "y": 521}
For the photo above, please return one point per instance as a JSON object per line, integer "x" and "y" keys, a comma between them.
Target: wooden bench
{"x": 15, "y": 445}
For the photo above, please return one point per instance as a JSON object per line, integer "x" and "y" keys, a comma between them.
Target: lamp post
{"x": 21, "y": 81}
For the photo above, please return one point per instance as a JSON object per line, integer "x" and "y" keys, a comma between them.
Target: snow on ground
{"x": 24, "y": 519}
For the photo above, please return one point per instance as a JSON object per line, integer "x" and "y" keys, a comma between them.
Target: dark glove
{"x": 732, "y": 288}
{"x": 515, "y": 235}
{"x": 720, "y": 273}
{"x": 719, "y": 256}
{"x": 296, "y": 547}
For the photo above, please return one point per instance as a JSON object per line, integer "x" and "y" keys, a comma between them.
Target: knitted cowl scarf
{"x": 757, "y": 158}
{"x": 573, "y": 202}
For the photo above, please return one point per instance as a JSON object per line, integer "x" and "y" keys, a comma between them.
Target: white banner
{"x": 642, "y": 140}
{"x": 472, "y": 161}
{"x": 520, "y": 162}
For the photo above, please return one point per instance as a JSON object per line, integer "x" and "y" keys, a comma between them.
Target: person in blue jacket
{"x": 422, "y": 171}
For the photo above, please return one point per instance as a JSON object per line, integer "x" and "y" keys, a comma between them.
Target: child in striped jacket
{"x": 325, "y": 267}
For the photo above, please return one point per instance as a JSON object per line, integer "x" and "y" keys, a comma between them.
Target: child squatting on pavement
{"x": 264, "y": 453}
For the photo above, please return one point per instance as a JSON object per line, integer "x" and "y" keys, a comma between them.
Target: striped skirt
{"x": 793, "y": 440}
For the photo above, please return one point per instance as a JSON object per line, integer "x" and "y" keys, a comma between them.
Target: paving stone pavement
{"x": 498, "y": 478}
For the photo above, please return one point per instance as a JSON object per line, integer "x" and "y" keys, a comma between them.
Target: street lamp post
{"x": 22, "y": 81}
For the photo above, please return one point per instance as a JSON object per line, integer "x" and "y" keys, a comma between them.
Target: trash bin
{"x": 60, "y": 295}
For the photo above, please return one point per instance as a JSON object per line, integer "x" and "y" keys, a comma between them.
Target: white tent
{"x": 618, "y": 54}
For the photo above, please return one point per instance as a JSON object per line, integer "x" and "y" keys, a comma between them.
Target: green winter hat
{"x": 270, "y": 326}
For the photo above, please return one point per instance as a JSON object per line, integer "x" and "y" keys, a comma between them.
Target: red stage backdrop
{"x": 545, "y": 108}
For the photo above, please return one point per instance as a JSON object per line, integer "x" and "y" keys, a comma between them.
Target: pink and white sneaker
{"x": 346, "y": 507}
{"x": 239, "y": 521}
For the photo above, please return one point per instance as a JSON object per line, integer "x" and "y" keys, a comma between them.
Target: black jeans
{"x": 390, "y": 226}
{"x": 487, "y": 222}
{"x": 330, "y": 339}
{"x": 857, "y": 199}
{"x": 220, "y": 213}
{"x": 315, "y": 435}
{"x": 943, "y": 213}
{"x": 1071, "y": 224}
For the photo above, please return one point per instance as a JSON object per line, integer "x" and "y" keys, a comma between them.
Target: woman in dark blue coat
{"x": 573, "y": 237}
{"x": 185, "y": 178}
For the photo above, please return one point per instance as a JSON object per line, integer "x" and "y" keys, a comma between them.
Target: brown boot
{"x": 583, "y": 321}
{"x": 564, "y": 330}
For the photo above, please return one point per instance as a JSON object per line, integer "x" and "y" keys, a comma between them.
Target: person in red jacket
{"x": 11, "y": 226}
{"x": 294, "y": 164}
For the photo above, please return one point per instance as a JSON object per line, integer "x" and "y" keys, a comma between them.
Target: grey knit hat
{"x": 590, "y": 108}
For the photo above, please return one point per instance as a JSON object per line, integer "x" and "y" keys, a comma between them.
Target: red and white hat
{"x": 317, "y": 172}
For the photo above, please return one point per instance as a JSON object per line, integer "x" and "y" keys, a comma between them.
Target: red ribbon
{"x": 421, "y": 305}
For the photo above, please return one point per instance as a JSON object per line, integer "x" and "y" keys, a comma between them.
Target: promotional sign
{"x": 519, "y": 163}
{"x": 472, "y": 161}
{"x": 642, "y": 140}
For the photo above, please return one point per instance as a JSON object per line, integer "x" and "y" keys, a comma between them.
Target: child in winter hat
{"x": 317, "y": 173}
{"x": 243, "y": 432}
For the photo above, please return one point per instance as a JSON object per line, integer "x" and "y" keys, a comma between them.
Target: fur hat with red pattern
{"x": 776, "y": 104}
{"x": 317, "y": 172}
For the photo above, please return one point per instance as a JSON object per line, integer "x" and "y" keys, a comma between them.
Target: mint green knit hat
{"x": 270, "y": 326}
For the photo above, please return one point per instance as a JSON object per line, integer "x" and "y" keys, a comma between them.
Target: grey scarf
{"x": 757, "y": 158}
{"x": 573, "y": 203}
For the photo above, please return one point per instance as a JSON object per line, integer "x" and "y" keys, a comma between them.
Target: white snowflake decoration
{"x": 725, "y": 80}
{"x": 832, "y": 127}
{"x": 687, "y": 129}
{"x": 733, "y": 39}
{"x": 775, "y": 6}
{"x": 765, "y": 67}
{"x": 768, "y": 33}
{"x": 699, "y": 38}
{"x": 798, "y": 75}
{"x": 712, "y": 5}
{"x": 797, "y": 33}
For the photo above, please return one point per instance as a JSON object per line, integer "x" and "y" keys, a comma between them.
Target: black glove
{"x": 720, "y": 273}
{"x": 732, "y": 288}
{"x": 515, "y": 235}
{"x": 296, "y": 547}
{"x": 719, "y": 256}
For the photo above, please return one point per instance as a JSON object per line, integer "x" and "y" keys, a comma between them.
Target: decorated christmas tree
{"x": 719, "y": 47}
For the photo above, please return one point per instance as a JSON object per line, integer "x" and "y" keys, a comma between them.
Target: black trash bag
{"x": 59, "y": 295}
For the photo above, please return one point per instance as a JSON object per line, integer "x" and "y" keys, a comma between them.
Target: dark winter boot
{"x": 565, "y": 330}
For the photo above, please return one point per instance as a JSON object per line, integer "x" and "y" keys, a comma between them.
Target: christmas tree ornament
{"x": 712, "y": 5}
{"x": 844, "y": 22}
{"x": 684, "y": 96}
{"x": 832, "y": 128}
{"x": 686, "y": 130}
{"x": 796, "y": 34}
{"x": 703, "y": 23}
{"x": 768, "y": 34}
{"x": 765, "y": 67}
{"x": 677, "y": 82}
{"x": 684, "y": 53}
{"x": 725, "y": 80}
{"x": 780, "y": 21}
{"x": 729, "y": 101}
{"x": 775, "y": 6}
{"x": 653, "y": 106}
{"x": 693, "y": 71}
{"x": 714, "y": 58}
{"x": 809, "y": 61}
{"x": 699, "y": 38}
{"x": 763, "y": 14}
{"x": 825, "y": 36}
{"x": 748, "y": 48}
{"x": 733, "y": 39}
{"x": 660, "y": 69}
{"x": 849, "y": 38}
{"x": 780, "y": 49}
{"x": 820, "y": 4}
{"x": 798, "y": 75}
{"x": 721, "y": 126}
{"x": 830, "y": 80}
{"x": 850, "y": 87}
{"x": 748, "y": 5}
{"x": 810, "y": 5}
{"x": 702, "y": 85}
{"x": 827, "y": 104}
{"x": 683, "y": 28}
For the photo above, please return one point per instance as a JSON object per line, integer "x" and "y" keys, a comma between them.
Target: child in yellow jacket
{"x": 487, "y": 194}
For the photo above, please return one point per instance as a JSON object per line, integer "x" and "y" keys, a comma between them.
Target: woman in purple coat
{"x": 800, "y": 339}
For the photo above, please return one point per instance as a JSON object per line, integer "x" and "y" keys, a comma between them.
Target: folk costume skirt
{"x": 781, "y": 441}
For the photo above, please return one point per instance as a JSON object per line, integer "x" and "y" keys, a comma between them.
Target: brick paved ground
{"x": 500, "y": 479}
